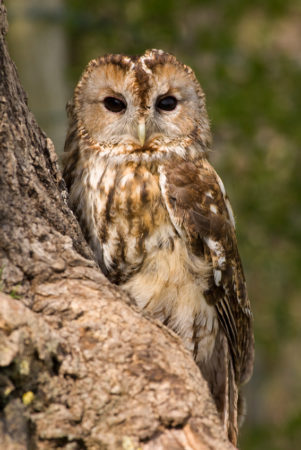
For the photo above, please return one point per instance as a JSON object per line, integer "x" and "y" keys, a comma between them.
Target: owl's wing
{"x": 201, "y": 213}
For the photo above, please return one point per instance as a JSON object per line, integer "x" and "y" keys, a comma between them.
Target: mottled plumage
{"x": 156, "y": 213}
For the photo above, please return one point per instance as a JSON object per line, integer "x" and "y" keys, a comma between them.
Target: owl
{"x": 155, "y": 212}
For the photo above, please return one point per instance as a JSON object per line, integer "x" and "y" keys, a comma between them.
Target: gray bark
{"x": 80, "y": 367}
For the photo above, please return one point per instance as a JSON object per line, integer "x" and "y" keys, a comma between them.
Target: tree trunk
{"x": 80, "y": 367}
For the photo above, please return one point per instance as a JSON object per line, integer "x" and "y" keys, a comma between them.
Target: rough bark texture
{"x": 80, "y": 368}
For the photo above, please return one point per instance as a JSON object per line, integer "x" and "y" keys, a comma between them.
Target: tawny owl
{"x": 155, "y": 212}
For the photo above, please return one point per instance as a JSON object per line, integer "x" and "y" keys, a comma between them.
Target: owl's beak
{"x": 141, "y": 131}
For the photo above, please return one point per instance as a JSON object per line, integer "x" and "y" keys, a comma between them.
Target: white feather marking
{"x": 247, "y": 311}
{"x": 209, "y": 194}
{"x": 162, "y": 181}
{"x": 94, "y": 176}
{"x": 181, "y": 151}
{"x": 107, "y": 255}
{"x": 230, "y": 212}
{"x": 218, "y": 250}
{"x": 227, "y": 203}
{"x": 213, "y": 209}
{"x": 215, "y": 246}
{"x": 221, "y": 261}
{"x": 108, "y": 180}
{"x": 221, "y": 185}
{"x": 217, "y": 277}
{"x": 126, "y": 178}
{"x": 144, "y": 66}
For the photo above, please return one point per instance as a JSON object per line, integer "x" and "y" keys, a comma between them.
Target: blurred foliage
{"x": 247, "y": 56}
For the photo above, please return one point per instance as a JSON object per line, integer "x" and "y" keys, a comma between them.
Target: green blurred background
{"x": 247, "y": 56}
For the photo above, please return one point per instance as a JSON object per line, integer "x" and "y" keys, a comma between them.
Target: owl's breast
{"x": 123, "y": 214}
{"x": 151, "y": 262}
{"x": 130, "y": 219}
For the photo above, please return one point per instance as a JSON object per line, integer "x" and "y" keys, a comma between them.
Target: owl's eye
{"x": 167, "y": 103}
{"x": 114, "y": 104}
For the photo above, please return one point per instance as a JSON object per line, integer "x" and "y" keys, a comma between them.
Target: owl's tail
{"x": 220, "y": 375}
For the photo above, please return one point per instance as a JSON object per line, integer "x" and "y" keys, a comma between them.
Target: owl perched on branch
{"x": 155, "y": 212}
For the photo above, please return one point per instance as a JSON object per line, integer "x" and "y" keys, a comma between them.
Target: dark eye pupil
{"x": 167, "y": 103}
{"x": 114, "y": 104}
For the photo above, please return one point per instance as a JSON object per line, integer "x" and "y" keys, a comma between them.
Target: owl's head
{"x": 145, "y": 103}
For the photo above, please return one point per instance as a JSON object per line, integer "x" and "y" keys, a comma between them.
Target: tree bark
{"x": 80, "y": 367}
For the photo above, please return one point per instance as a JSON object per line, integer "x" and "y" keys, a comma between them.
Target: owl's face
{"x": 141, "y": 101}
